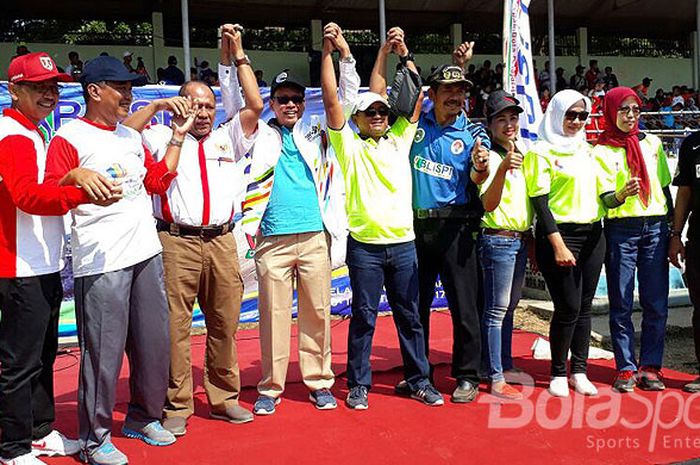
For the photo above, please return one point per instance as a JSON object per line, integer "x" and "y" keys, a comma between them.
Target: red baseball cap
{"x": 35, "y": 67}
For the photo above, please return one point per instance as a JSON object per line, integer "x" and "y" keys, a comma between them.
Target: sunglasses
{"x": 372, "y": 112}
{"x": 626, "y": 110}
{"x": 285, "y": 99}
{"x": 576, "y": 115}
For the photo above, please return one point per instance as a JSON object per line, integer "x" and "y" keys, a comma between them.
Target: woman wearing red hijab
{"x": 636, "y": 228}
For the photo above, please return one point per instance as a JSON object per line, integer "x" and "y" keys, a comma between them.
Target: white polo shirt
{"x": 123, "y": 234}
{"x": 31, "y": 222}
{"x": 211, "y": 175}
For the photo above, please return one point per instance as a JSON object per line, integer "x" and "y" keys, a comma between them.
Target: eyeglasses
{"x": 51, "y": 88}
{"x": 285, "y": 99}
{"x": 372, "y": 112}
{"x": 626, "y": 110}
{"x": 574, "y": 115}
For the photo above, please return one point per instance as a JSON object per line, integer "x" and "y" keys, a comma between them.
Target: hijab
{"x": 552, "y": 126}
{"x": 614, "y": 137}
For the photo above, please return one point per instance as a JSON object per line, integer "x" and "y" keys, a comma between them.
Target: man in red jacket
{"x": 31, "y": 245}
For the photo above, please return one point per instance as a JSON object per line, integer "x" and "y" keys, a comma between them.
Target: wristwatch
{"x": 347, "y": 59}
{"x": 405, "y": 59}
{"x": 242, "y": 61}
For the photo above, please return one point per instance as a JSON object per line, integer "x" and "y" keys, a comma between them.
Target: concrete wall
{"x": 629, "y": 70}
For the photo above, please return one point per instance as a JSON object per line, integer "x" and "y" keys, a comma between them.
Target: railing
{"x": 639, "y": 47}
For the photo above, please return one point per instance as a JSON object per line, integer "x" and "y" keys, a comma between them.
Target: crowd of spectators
{"x": 592, "y": 82}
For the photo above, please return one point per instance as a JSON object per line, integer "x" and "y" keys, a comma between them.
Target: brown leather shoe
{"x": 234, "y": 414}
{"x": 176, "y": 425}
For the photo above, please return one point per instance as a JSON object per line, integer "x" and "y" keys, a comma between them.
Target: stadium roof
{"x": 622, "y": 16}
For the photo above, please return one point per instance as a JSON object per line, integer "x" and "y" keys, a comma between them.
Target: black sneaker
{"x": 357, "y": 398}
{"x": 624, "y": 381}
{"x": 428, "y": 395}
{"x": 693, "y": 386}
{"x": 402, "y": 388}
{"x": 650, "y": 379}
{"x": 465, "y": 392}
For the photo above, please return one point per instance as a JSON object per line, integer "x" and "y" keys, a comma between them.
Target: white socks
{"x": 558, "y": 387}
{"x": 582, "y": 384}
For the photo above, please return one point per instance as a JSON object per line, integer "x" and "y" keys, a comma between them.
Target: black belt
{"x": 637, "y": 219}
{"x": 205, "y": 232}
{"x": 450, "y": 211}
{"x": 507, "y": 233}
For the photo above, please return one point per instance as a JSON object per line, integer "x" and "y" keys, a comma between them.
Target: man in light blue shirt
{"x": 449, "y": 158}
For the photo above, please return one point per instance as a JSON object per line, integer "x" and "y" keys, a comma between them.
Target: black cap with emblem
{"x": 448, "y": 74}
{"x": 500, "y": 100}
{"x": 286, "y": 79}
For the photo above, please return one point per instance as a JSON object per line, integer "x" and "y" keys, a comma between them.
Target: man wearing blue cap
{"x": 119, "y": 294}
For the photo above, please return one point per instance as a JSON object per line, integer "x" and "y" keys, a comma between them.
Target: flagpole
{"x": 552, "y": 51}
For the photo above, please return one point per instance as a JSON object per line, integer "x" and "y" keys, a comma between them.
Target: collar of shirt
{"x": 23, "y": 120}
{"x": 459, "y": 123}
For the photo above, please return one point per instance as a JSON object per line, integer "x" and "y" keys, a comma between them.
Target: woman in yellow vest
{"x": 563, "y": 185}
{"x": 505, "y": 229}
{"x": 636, "y": 228}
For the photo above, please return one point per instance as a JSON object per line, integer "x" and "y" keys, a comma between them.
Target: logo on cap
{"x": 47, "y": 63}
{"x": 281, "y": 77}
{"x": 449, "y": 74}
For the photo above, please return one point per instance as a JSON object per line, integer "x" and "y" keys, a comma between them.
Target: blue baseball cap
{"x": 107, "y": 68}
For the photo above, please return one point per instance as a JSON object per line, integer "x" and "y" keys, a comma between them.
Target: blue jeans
{"x": 637, "y": 244}
{"x": 396, "y": 268}
{"x": 503, "y": 261}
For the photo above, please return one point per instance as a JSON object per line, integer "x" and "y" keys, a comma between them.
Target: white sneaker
{"x": 54, "y": 444}
{"x": 26, "y": 459}
{"x": 558, "y": 387}
{"x": 583, "y": 385}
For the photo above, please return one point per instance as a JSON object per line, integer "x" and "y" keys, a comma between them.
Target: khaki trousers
{"x": 279, "y": 261}
{"x": 208, "y": 270}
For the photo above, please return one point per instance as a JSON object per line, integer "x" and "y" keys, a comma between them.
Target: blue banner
{"x": 72, "y": 105}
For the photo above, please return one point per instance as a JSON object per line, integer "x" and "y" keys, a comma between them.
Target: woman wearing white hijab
{"x": 564, "y": 187}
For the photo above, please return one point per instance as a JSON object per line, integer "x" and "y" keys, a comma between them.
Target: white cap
{"x": 678, "y": 100}
{"x": 366, "y": 99}
{"x": 127, "y": 54}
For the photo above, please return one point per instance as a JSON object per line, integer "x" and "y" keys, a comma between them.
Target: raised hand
{"x": 463, "y": 54}
{"x": 181, "y": 130}
{"x": 233, "y": 35}
{"x": 513, "y": 159}
{"x": 480, "y": 156}
{"x": 178, "y": 106}
{"x": 397, "y": 36}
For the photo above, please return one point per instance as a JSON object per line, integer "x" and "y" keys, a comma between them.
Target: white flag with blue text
{"x": 518, "y": 72}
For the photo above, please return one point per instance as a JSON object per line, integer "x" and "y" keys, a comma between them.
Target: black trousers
{"x": 28, "y": 343}
{"x": 572, "y": 290}
{"x": 692, "y": 274}
{"x": 448, "y": 247}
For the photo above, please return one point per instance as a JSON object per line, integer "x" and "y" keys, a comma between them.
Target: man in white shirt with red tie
{"x": 195, "y": 222}
{"x": 31, "y": 256}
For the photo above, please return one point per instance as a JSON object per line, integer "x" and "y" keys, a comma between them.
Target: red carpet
{"x": 642, "y": 429}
